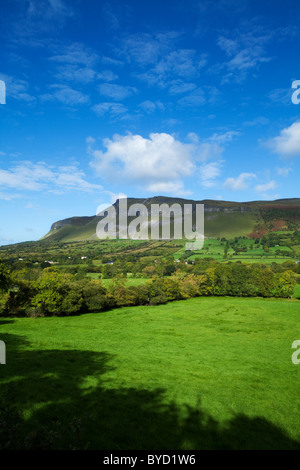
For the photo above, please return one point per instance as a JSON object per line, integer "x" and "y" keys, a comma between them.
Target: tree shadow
{"x": 61, "y": 399}
{"x": 4, "y": 322}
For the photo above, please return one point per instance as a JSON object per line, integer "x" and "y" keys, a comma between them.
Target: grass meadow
{"x": 205, "y": 373}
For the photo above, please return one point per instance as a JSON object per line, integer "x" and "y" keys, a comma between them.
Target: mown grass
{"x": 197, "y": 374}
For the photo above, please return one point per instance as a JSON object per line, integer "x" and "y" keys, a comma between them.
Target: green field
{"x": 197, "y": 374}
{"x": 215, "y": 249}
{"x": 128, "y": 282}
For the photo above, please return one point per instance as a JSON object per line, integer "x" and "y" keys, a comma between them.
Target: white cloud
{"x": 65, "y": 95}
{"x": 239, "y": 183}
{"x": 283, "y": 171}
{"x": 146, "y": 49}
{"x": 25, "y": 176}
{"x": 28, "y": 176}
{"x": 224, "y": 137}
{"x": 287, "y": 143}
{"x": 162, "y": 63}
{"x": 73, "y": 73}
{"x": 9, "y": 196}
{"x": 35, "y": 19}
{"x": 281, "y": 96}
{"x": 107, "y": 76}
{"x": 199, "y": 96}
{"x": 113, "y": 109}
{"x": 150, "y": 106}
{"x": 77, "y": 53}
{"x": 182, "y": 63}
{"x": 270, "y": 197}
{"x": 48, "y": 9}
{"x": 214, "y": 146}
{"x": 168, "y": 187}
{"x": 77, "y": 63}
{"x": 258, "y": 121}
{"x": 116, "y": 92}
{"x": 71, "y": 178}
{"x": 110, "y": 16}
{"x": 161, "y": 162}
{"x": 179, "y": 86}
{"x": 194, "y": 99}
{"x": 17, "y": 88}
{"x": 159, "y": 158}
{"x": 265, "y": 187}
{"x": 209, "y": 172}
{"x": 246, "y": 50}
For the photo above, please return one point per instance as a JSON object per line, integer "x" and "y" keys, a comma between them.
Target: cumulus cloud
{"x": 161, "y": 162}
{"x": 159, "y": 158}
{"x": 287, "y": 143}
{"x": 239, "y": 183}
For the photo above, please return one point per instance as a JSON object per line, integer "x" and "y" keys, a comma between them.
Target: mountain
{"x": 221, "y": 218}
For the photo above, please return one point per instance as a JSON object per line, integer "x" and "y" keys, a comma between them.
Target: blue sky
{"x": 142, "y": 98}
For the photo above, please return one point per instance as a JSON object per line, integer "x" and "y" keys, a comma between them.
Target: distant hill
{"x": 221, "y": 218}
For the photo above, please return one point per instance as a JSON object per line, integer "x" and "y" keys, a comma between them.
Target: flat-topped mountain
{"x": 221, "y": 218}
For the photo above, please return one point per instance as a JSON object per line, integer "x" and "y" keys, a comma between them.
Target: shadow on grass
{"x": 59, "y": 399}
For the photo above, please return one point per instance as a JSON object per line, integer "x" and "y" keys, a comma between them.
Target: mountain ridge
{"x": 222, "y": 218}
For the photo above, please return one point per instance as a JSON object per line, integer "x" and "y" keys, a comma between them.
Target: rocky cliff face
{"x": 75, "y": 221}
{"x": 209, "y": 206}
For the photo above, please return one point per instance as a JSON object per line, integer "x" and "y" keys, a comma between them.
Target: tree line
{"x": 57, "y": 293}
